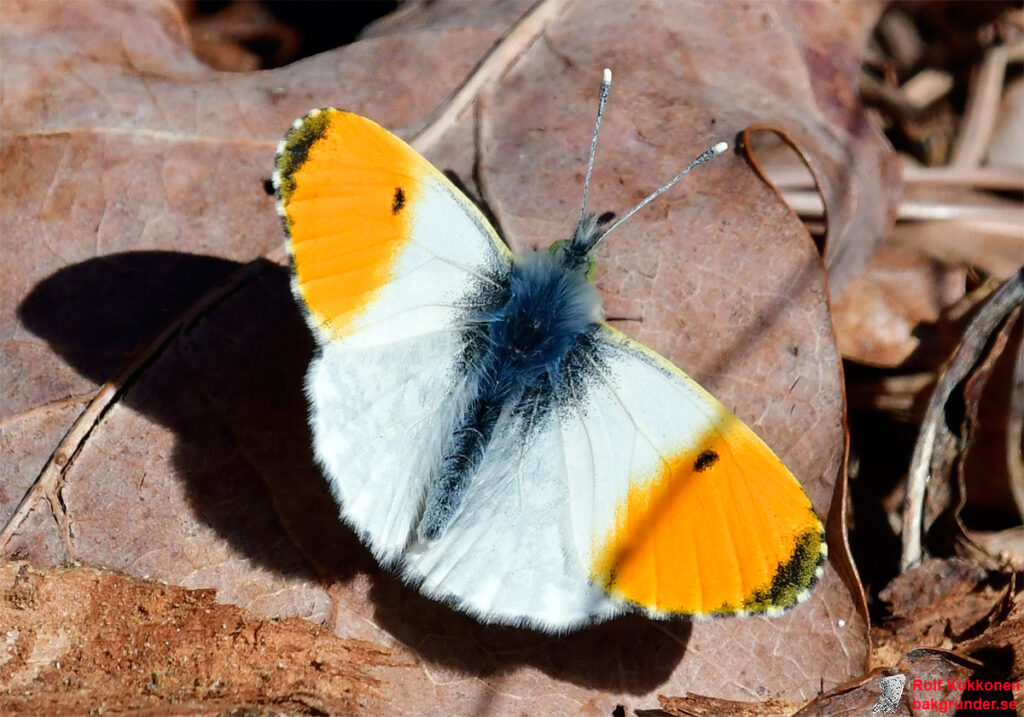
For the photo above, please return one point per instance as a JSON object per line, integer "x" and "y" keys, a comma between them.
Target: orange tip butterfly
{"x": 489, "y": 436}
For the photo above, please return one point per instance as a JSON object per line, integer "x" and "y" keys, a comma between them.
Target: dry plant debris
{"x": 169, "y": 547}
{"x": 83, "y": 641}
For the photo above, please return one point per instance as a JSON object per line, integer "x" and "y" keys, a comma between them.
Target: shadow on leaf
{"x": 229, "y": 385}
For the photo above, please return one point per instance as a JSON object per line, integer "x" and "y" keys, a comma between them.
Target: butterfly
{"x": 489, "y": 436}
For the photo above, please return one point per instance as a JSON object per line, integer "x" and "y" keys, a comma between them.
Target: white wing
{"x": 605, "y": 498}
{"x": 508, "y": 555}
{"x": 390, "y": 261}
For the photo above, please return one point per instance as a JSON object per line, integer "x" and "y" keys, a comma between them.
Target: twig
{"x": 1015, "y": 432}
{"x": 983, "y": 104}
{"x": 934, "y": 429}
{"x": 496, "y": 61}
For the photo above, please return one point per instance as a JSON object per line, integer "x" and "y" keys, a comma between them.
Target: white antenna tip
{"x": 720, "y": 147}
{"x": 607, "y": 78}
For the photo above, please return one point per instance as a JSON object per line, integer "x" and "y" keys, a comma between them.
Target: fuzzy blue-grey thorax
{"x": 547, "y": 308}
{"x": 544, "y": 309}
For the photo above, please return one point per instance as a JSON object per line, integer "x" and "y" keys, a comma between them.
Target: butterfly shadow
{"x": 228, "y": 384}
{"x": 222, "y": 395}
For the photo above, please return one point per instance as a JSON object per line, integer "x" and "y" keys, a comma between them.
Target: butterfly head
{"x": 575, "y": 254}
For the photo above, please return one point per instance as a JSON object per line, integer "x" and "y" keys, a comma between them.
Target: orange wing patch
{"x": 346, "y": 186}
{"x": 723, "y": 529}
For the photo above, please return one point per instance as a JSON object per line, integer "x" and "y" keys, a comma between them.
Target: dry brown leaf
{"x": 882, "y": 318}
{"x": 857, "y": 173}
{"x": 1006, "y": 545}
{"x": 134, "y": 181}
{"x": 1003, "y": 642}
{"x": 938, "y": 604}
{"x": 117, "y": 139}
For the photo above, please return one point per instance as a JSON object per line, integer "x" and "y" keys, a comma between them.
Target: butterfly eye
{"x": 565, "y": 245}
{"x": 557, "y": 246}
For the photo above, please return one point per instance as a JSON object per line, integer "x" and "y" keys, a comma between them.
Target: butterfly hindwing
{"x": 623, "y": 485}
{"x": 389, "y": 260}
{"x": 508, "y": 555}
{"x": 677, "y": 506}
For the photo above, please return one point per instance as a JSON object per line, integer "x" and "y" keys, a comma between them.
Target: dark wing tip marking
{"x": 295, "y": 149}
{"x": 793, "y": 578}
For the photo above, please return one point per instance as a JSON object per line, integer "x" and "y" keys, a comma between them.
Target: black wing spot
{"x": 705, "y": 460}
{"x": 399, "y": 201}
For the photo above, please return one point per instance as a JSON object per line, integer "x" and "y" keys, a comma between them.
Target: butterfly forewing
{"x": 390, "y": 261}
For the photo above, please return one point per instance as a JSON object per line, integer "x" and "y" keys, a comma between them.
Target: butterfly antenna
{"x": 606, "y": 85}
{"x": 705, "y": 156}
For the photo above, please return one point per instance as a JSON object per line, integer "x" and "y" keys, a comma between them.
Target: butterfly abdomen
{"x": 540, "y": 318}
